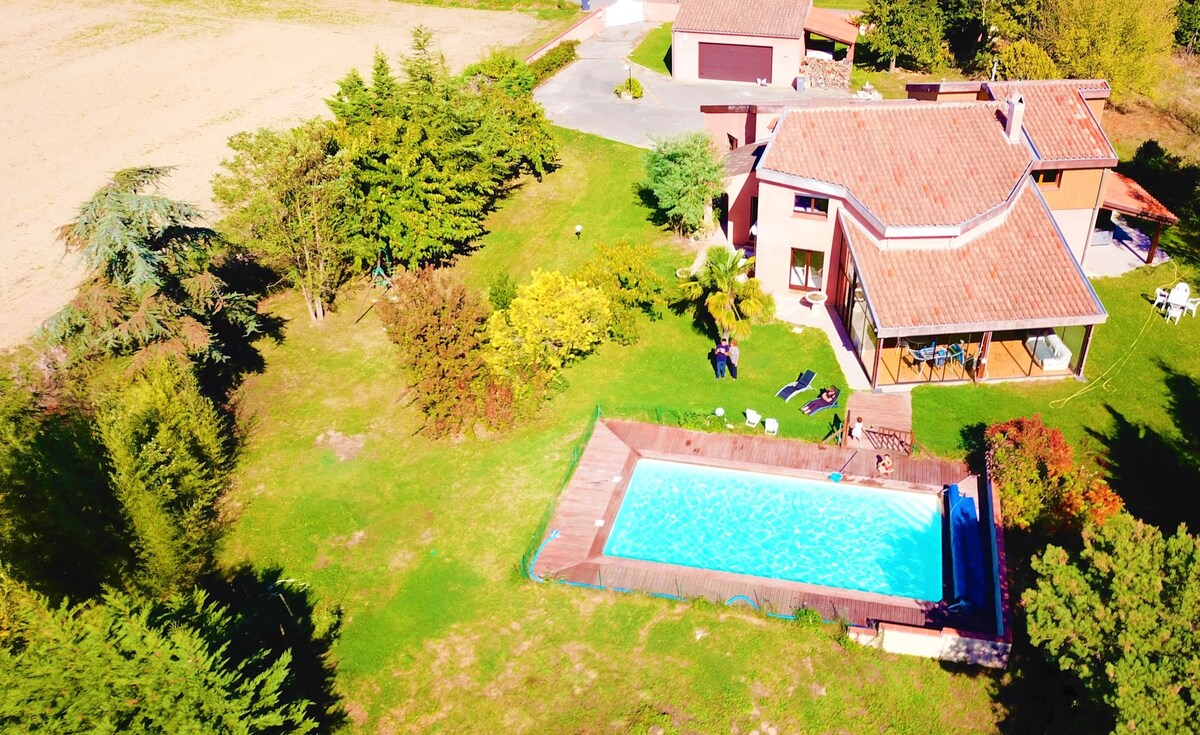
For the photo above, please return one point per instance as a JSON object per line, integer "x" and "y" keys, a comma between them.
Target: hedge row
{"x": 554, "y": 60}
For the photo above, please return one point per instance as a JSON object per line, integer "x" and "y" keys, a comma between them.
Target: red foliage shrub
{"x": 438, "y": 324}
{"x": 1033, "y": 468}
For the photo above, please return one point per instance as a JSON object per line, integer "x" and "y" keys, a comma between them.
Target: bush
{"x": 683, "y": 173}
{"x": 806, "y": 617}
{"x": 438, "y": 324}
{"x": 632, "y": 86}
{"x": 623, "y": 274}
{"x": 502, "y": 291}
{"x": 170, "y": 465}
{"x": 553, "y": 321}
{"x": 1034, "y": 471}
{"x": 1026, "y": 60}
{"x": 554, "y": 60}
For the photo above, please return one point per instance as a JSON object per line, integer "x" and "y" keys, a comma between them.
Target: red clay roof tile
{"x": 1057, "y": 119}
{"x": 911, "y": 164}
{"x": 773, "y": 18}
{"x": 1123, "y": 194}
{"x": 1019, "y": 275}
{"x": 832, "y": 24}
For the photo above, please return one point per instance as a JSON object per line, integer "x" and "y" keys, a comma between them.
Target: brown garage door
{"x": 735, "y": 63}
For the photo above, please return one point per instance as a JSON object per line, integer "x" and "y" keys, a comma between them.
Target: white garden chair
{"x": 1191, "y": 306}
{"x": 1160, "y": 298}
{"x": 1178, "y": 301}
{"x": 772, "y": 427}
{"x": 752, "y": 417}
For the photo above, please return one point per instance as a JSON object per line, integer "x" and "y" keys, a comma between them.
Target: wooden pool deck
{"x": 573, "y": 550}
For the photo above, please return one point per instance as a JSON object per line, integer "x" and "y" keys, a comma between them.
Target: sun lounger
{"x": 799, "y": 385}
{"x": 752, "y": 417}
{"x": 818, "y": 405}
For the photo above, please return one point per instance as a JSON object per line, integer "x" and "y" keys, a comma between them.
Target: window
{"x": 808, "y": 269}
{"x": 733, "y": 142}
{"x": 810, "y": 205}
{"x": 1048, "y": 179}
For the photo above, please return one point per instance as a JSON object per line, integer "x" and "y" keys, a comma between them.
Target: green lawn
{"x": 594, "y": 186}
{"x": 857, "y": 5}
{"x": 418, "y": 542}
{"x": 654, "y": 52}
{"x": 891, "y": 85}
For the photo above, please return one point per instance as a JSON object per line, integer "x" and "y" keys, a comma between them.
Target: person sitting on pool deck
{"x": 884, "y": 466}
{"x": 828, "y": 398}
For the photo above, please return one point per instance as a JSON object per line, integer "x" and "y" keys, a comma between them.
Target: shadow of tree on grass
{"x": 277, "y": 614}
{"x": 1157, "y": 475}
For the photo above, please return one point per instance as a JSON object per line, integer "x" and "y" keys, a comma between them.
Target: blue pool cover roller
{"x": 966, "y": 549}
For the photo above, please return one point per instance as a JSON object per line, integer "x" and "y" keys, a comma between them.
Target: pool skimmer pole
{"x": 837, "y": 476}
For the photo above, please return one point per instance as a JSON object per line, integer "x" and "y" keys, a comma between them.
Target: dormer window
{"x": 810, "y": 205}
{"x": 1049, "y": 179}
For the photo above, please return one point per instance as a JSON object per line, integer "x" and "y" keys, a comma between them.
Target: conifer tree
{"x": 166, "y": 444}
{"x": 151, "y": 288}
{"x": 118, "y": 665}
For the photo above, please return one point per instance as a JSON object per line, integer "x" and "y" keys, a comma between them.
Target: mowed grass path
{"x": 419, "y": 541}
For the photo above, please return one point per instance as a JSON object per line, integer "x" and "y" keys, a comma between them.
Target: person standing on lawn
{"x": 722, "y": 357}
{"x": 734, "y": 355}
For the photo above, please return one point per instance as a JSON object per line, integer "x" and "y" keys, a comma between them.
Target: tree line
{"x": 118, "y": 438}
{"x": 1126, "y": 43}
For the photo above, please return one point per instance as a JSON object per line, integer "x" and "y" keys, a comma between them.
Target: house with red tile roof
{"x": 947, "y": 234}
{"x": 757, "y": 41}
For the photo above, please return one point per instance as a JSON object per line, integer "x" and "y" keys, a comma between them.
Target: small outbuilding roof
{"x": 832, "y": 24}
{"x": 1123, "y": 194}
{"x": 772, "y": 18}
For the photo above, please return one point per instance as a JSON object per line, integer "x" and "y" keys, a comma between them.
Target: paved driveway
{"x": 581, "y": 96}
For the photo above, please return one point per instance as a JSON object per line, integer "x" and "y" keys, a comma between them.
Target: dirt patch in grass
{"x": 344, "y": 446}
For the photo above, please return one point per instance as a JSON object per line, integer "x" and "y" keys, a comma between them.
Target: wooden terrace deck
{"x": 887, "y": 418}
{"x": 574, "y": 550}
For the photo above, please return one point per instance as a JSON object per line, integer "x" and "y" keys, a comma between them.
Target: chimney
{"x": 1014, "y": 118}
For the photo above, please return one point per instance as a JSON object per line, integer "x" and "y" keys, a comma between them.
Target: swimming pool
{"x": 836, "y": 535}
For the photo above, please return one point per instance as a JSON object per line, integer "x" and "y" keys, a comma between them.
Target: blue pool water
{"x": 823, "y": 533}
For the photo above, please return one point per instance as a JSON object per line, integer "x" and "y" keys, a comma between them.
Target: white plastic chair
{"x": 1191, "y": 306}
{"x": 772, "y": 427}
{"x": 1180, "y": 295}
{"x": 752, "y": 417}
{"x": 1174, "y": 311}
{"x": 1160, "y": 298}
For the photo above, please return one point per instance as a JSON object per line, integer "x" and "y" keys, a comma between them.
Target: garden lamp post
{"x": 629, "y": 80}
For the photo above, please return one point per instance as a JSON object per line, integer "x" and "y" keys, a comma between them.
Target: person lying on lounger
{"x": 827, "y": 398}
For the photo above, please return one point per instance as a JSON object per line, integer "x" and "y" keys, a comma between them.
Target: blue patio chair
{"x": 802, "y": 383}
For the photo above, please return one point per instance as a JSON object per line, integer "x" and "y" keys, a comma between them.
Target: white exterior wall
{"x": 785, "y": 58}
{"x": 1076, "y": 226}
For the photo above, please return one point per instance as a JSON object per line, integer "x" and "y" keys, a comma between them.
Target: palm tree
{"x": 732, "y": 298}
